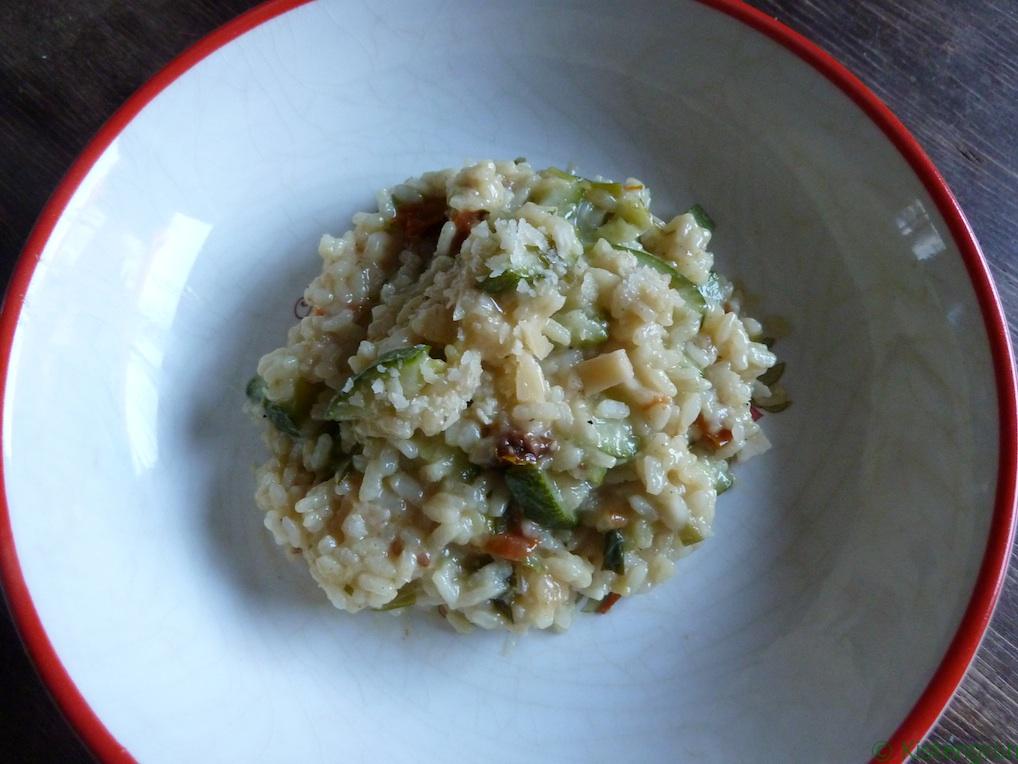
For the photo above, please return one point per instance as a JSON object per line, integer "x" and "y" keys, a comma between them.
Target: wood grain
{"x": 947, "y": 68}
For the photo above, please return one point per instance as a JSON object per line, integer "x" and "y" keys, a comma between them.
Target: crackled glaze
{"x": 805, "y": 630}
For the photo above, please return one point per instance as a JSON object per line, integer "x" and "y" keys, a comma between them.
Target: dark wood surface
{"x": 947, "y": 68}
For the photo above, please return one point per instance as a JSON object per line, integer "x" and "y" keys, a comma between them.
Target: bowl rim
{"x": 989, "y": 581}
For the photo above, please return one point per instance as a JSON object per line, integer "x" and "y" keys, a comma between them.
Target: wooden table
{"x": 947, "y": 68}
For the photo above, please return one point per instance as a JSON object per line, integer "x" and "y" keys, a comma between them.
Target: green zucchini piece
{"x": 286, "y": 416}
{"x": 711, "y": 289}
{"x": 570, "y": 201}
{"x": 618, "y": 231}
{"x": 532, "y": 267}
{"x": 773, "y": 374}
{"x": 562, "y": 197}
{"x": 616, "y": 438}
{"x": 680, "y": 283}
{"x": 255, "y": 389}
{"x": 608, "y": 186}
{"x": 596, "y": 475}
{"x": 405, "y": 597}
{"x": 504, "y": 282}
{"x": 773, "y": 408}
{"x": 504, "y": 609}
{"x": 558, "y": 195}
{"x": 585, "y": 329}
{"x": 407, "y": 361}
{"x": 721, "y": 475}
{"x": 400, "y": 358}
{"x": 538, "y": 496}
{"x": 627, "y": 223}
{"x": 691, "y": 534}
{"x": 635, "y": 213}
{"x": 724, "y": 480}
{"x": 283, "y": 420}
{"x": 613, "y": 552}
{"x": 555, "y": 172}
{"x": 586, "y": 219}
{"x": 701, "y": 217}
{"x": 613, "y": 188}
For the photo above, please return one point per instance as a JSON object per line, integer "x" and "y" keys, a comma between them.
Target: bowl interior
{"x": 842, "y": 561}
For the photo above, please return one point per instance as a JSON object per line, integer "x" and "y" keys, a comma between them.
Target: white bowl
{"x": 854, "y": 566}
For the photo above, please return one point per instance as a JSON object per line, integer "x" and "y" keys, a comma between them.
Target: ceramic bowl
{"x": 854, "y": 566}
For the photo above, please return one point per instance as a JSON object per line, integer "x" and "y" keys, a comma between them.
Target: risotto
{"x": 515, "y": 394}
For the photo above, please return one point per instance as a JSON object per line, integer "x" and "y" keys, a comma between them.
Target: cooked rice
{"x": 507, "y": 276}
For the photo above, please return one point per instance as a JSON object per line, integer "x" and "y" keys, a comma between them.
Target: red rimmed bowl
{"x": 854, "y": 568}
